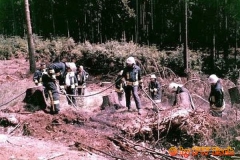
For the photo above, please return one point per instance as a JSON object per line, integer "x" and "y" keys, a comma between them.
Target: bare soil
{"x": 83, "y": 132}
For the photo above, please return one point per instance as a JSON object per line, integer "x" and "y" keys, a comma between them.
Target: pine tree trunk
{"x": 186, "y": 39}
{"x": 31, "y": 49}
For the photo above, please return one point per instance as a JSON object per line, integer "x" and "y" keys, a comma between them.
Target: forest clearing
{"x": 87, "y": 132}
{"x": 187, "y": 47}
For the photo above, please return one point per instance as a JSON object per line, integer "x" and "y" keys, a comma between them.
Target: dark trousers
{"x": 81, "y": 91}
{"x": 132, "y": 90}
{"x": 70, "y": 97}
{"x": 54, "y": 97}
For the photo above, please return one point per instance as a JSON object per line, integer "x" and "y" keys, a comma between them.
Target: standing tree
{"x": 31, "y": 49}
{"x": 186, "y": 38}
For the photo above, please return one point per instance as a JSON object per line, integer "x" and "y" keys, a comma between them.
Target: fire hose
{"x": 155, "y": 108}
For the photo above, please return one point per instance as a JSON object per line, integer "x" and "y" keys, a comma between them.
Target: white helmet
{"x": 72, "y": 66}
{"x": 130, "y": 60}
{"x": 213, "y": 78}
{"x": 153, "y": 76}
{"x": 173, "y": 86}
{"x": 120, "y": 73}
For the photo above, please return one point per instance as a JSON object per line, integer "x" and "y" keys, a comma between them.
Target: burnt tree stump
{"x": 108, "y": 101}
{"x": 35, "y": 97}
{"x": 234, "y": 95}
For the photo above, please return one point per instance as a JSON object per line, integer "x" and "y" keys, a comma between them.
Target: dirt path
{"x": 26, "y": 148}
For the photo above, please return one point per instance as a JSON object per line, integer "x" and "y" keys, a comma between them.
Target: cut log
{"x": 35, "y": 97}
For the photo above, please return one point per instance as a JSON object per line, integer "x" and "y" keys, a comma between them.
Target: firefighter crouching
{"x": 49, "y": 82}
{"x": 37, "y": 77}
{"x": 70, "y": 83}
{"x": 82, "y": 76}
{"x": 155, "y": 89}
{"x": 216, "y": 97}
{"x": 132, "y": 80}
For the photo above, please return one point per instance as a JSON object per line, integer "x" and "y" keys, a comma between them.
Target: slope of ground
{"x": 86, "y": 131}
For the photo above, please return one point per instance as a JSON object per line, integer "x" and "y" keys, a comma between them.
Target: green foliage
{"x": 13, "y": 46}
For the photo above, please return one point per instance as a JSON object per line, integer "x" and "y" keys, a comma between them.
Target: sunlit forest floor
{"x": 87, "y": 132}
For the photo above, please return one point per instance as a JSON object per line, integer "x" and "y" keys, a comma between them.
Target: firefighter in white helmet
{"x": 182, "y": 96}
{"x": 216, "y": 97}
{"x": 155, "y": 89}
{"x": 70, "y": 84}
{"x": 132, "y": 79}
{"x": 82, "y": 76}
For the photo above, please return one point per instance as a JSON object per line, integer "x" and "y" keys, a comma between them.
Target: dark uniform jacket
{"x": 60, "y": 69}
{"x": 216, "y": 97}
{"x": 132, "y": 74}
{"x": 37, "y": 77}
{"x": 81, "y": 77}
{"x": 49, "y": 83}
{"x": 155, "y": 95}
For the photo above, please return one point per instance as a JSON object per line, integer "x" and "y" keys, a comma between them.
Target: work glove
{"x": 63, "y": 91}
{"x": 121, "y": 89}
{"x": 151, "y": 90}
{"x": 155, "y": 89}
{"x": 39, "y": 84}
{"x": 73, "y": 86}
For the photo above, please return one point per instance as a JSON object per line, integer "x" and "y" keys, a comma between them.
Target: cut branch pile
{"x": 172, "y": 121}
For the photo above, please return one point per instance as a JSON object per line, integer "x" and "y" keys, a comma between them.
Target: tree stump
{"x": 107, "y": 102}
{"x": 35, "y": 97}
{"x": 234, "y": 95}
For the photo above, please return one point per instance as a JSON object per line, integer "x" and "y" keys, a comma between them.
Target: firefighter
{"x": 132, "y": 80}
{"x": 154, "y": 88}
{"x": 37, "y": 77}
{"x": 49, "y": 82}
{"x": 216, "y": 97}
{"x": 60, "y": 69}
{"x": 70, "y": 83}
{"x": 182, "y": 96}
{"x": 82, "y": 76}
{"x": 119, "y": 90}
